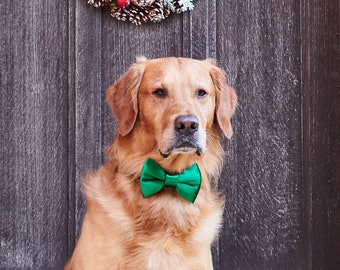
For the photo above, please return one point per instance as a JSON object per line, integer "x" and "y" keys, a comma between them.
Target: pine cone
{"x": 142, "y": 3}
{"x": 98, "y": 3}
{"x": 155, "y": 12}
{"x": 144, "y": 10}
{"x": 159, "y": 12}
{"x": 177, "y": 8}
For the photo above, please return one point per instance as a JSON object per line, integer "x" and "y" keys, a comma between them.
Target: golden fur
{"x": 123, "y": 230}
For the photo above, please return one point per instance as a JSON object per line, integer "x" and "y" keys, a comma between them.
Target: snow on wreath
{"x": 140, "y": 11}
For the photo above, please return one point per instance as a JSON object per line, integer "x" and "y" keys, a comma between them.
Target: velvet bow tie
{"x": 153, "y": 179}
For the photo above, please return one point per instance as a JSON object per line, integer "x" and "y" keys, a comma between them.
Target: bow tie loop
{"x": 154, "y": 178}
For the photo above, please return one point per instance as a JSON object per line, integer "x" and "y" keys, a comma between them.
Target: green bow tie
{"x": 154, "y": 178}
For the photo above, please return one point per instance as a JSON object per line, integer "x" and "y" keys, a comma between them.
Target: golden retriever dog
{"x": 172, "y": 111}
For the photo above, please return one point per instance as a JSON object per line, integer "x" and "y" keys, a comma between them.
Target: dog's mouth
{"x": 182, "y": 148}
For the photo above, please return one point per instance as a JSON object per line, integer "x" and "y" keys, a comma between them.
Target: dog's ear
{"x": 226, "y": 99}
{"x": 122, "y": 97}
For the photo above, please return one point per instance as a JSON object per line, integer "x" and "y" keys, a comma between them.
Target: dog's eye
{"x": 201, "y": 93}
{"x": 161, "y": 93}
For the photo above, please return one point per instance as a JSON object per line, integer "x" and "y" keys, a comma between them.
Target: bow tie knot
{"x": 171, "y": 180}
{"x": 154, "y": 178}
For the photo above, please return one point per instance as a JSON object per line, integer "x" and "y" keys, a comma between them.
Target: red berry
{"x": 123, "y": 3}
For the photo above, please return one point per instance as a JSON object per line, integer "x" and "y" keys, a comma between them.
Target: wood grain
{"x": 262, "y": 176}
{"x": 321, "y": 144}
{"x": 33, "y": 192}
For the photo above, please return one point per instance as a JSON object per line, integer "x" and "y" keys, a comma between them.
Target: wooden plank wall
{"x": 34, "y": 134}
{"x": 321, "y": 137}
{"x": 281, "y": 175}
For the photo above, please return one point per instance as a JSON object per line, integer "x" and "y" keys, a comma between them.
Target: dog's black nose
{"x": 186, "y": 124}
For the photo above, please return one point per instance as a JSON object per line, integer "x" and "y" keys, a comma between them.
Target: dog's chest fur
{"x": 138, "y": 232}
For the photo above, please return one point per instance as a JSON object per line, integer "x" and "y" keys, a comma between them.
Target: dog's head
{"x": 180, "y": 102}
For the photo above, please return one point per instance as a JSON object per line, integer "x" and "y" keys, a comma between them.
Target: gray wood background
{"x": 281, "y": 177}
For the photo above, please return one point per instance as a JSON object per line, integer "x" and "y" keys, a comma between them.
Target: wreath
{"x": 141, "y": 11}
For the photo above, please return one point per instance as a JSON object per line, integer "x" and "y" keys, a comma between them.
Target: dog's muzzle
{"x": 187, "y": 137}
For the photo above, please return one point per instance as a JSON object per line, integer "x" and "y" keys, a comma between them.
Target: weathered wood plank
{"x": 199, "y": 31}
{"x": 258, "y": 47}
{"x": 72, "y": 220}
{"x": 33, "y": 186}
{"x": 321, "y": 133}
{"x": 88, "y": 102}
